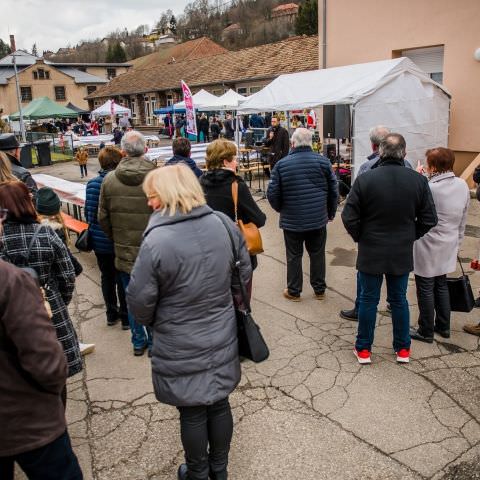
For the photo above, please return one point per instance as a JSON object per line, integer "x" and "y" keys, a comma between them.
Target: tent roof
{"x": 331, "y": 86}
{"x": 105, "y": 109}
{"x": 199, "y": 99}
{"x": 71, "y": 106}
{"x": 44, "y": 107}
{"x": 228, "y": 101}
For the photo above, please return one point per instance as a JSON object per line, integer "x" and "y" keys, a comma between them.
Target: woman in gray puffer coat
{"x": 181, "y": 286}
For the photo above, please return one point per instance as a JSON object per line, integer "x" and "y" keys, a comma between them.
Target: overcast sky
{"x": 52, "y": 24}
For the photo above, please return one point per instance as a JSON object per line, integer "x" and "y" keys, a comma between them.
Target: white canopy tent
{"x": 395, "y": 93}
{"x": 230, "y": 100}
{"x": 105, "y": 110}
{"x": 199, "y": 99}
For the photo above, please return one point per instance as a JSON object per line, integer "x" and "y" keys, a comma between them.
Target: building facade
{"x": 440, "y": 36}
{"x": 246, "y": 71}
{"x": 61, "y": 82}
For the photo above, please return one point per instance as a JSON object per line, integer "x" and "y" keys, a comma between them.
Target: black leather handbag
{"x": 251, "y": 343}
{"x": 461, "y": 294}
{"x": 83, "y": 242}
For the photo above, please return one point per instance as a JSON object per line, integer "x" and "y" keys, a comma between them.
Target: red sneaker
{"x": 403, "y": 355}
{"x": 363, "y": 356}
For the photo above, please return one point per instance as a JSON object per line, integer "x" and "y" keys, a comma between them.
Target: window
{"x": 47, "y": 75}
{"x": 35, "y": 75}
{"x": 26, "y": 94}
{"x": 41, "y": 73}
{"x": 429, "y": 59}
{"x": 133, "y": 106}
{"x": 82, "y": 69}
{"x": 60, "y": 93}
{"x": 242, "y": 90}
{"x": 255, "y": 89}
{"x": 111, "y": 73}
{"x": 169, "y": 100}
{"x": 91, "y": 89}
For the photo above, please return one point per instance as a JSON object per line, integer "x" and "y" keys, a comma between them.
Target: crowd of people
{"x": 162, "y": 239}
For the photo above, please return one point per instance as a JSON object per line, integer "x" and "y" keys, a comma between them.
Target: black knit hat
{"x": 48, "y": 202}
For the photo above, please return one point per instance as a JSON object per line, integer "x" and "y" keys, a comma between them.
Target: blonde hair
{"x": 218, "y": 151}
{"x": 59, "y": 219}
{"x": 6, "y": 174}
{"x": 176, "y": 187}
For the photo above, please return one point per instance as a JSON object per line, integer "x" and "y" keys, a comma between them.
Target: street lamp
{"x": 19, "y": 99}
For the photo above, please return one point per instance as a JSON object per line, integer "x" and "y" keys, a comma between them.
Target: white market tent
{"x": 395, "y": 93}
{"x": 200, "y": 99}
{"x": 105, "y": 110}
{"x": 230, "y": 100}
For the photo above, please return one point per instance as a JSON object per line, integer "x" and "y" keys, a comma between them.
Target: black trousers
{"x": 206, "y": 433}
{"x": 433, "y": 303}
{"x": 314, "y": 241}
{"x": 83, "y": 170}
{"x": 112, "y": 288}
{"x": 55, "y": 461}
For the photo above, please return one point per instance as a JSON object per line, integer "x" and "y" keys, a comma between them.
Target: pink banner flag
{"x": 191, "y": 126}
{"x": 112, "y": 108}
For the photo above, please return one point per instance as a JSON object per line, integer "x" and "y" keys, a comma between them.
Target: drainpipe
{"x": 324, "y": 35}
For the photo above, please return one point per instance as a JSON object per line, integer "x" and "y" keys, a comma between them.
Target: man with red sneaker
{"x": 388, "y": 208}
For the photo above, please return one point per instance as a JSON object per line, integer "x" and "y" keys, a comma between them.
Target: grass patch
{"x": 56, "y": 157}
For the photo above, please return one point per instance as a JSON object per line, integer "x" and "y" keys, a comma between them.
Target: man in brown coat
{"x": 33, "y": 372}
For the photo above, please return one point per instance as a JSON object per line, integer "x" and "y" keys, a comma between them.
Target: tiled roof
{"x": 285, "y": 6}
{"x": 295, "y": 54}
{"x": 200, "y": 47}
{"x": 232, "y": 27}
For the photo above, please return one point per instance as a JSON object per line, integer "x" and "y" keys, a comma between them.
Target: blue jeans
{"x": 370, "y": 286}
{"x": 141, "y": 335}
{"x": 54, "y": 461}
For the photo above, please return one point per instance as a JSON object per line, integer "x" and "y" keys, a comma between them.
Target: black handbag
{"x": 251, "y": 343}
{"x": 461, "y": 294}
{"x": 83, "y": 242}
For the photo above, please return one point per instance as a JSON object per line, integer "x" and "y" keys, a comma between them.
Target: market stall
{"x": 395, "y": 93}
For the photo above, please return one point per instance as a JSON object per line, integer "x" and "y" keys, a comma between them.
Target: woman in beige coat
{"x": 435, "y": 254}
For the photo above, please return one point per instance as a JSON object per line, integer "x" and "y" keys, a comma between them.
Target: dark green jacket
{"x": 123, "y": 212}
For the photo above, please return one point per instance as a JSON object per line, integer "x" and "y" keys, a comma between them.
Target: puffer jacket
{"x": 82, "y": 157}
{"x": 100, "y": 242}
{"x": 304, "y": 189}
{"x": 33, "y": 369}
{"x": 181, "y": 287}
{"x": 50, "y": 259}
{"x": 123, "y": 212}
{"x": 188, "y": 161}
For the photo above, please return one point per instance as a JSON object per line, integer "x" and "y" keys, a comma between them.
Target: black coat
{"x": 279, "y": 144}
{"x": 387, "y": 209}
{"x": 217, "y": 186}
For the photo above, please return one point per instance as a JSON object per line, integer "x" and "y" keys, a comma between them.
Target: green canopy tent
{"x": 43, "y": 107}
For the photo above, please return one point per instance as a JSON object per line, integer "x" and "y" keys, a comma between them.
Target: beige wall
{"x": 73, "y": 93}
{"x": 369, "y": 30}
{"x": 102, "y": 71}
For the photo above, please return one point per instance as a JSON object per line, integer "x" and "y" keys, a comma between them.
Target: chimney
{"x": 12, "y": 43}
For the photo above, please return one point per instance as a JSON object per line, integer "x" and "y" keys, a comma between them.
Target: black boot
{"x": 416, "y": 335}
{"x": 442, "y": 333}
{"x": 182, "y": 472}
{"x": 349, "y": 314}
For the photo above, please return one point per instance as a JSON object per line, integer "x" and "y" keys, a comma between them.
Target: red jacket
{"x": 33, "y": 369}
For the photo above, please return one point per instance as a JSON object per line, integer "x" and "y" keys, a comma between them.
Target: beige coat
{"x": 436, "y": 252}
{"x": 81, "y": 157}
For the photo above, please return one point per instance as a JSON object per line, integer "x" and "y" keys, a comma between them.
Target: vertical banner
{"x": 112, "y": 108}
{"x": 191, "y": 126}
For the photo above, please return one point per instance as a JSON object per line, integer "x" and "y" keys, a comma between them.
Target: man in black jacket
{"x": 304, "y": 190}
{"x": 182, "y": 148}
{"x": 279, "y": 142}
{"x": 10, "y": 146}
{"x": 387, "y": 209}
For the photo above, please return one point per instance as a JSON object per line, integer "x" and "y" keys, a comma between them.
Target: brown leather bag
{"x": 250, "y": 231}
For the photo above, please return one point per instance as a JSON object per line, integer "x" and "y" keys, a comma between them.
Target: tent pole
{"x": 237, "y": 123}
{"x": 288, "y": 122}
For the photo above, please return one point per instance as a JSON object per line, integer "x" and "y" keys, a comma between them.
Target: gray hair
{"x": 378, "y": 133}
{"x": 302, "y": 137}
{"x": 133, "y": 143}
{"x": 393, "y": 146}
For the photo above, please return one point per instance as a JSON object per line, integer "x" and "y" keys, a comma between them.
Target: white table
{"x": 69, "y": 192}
